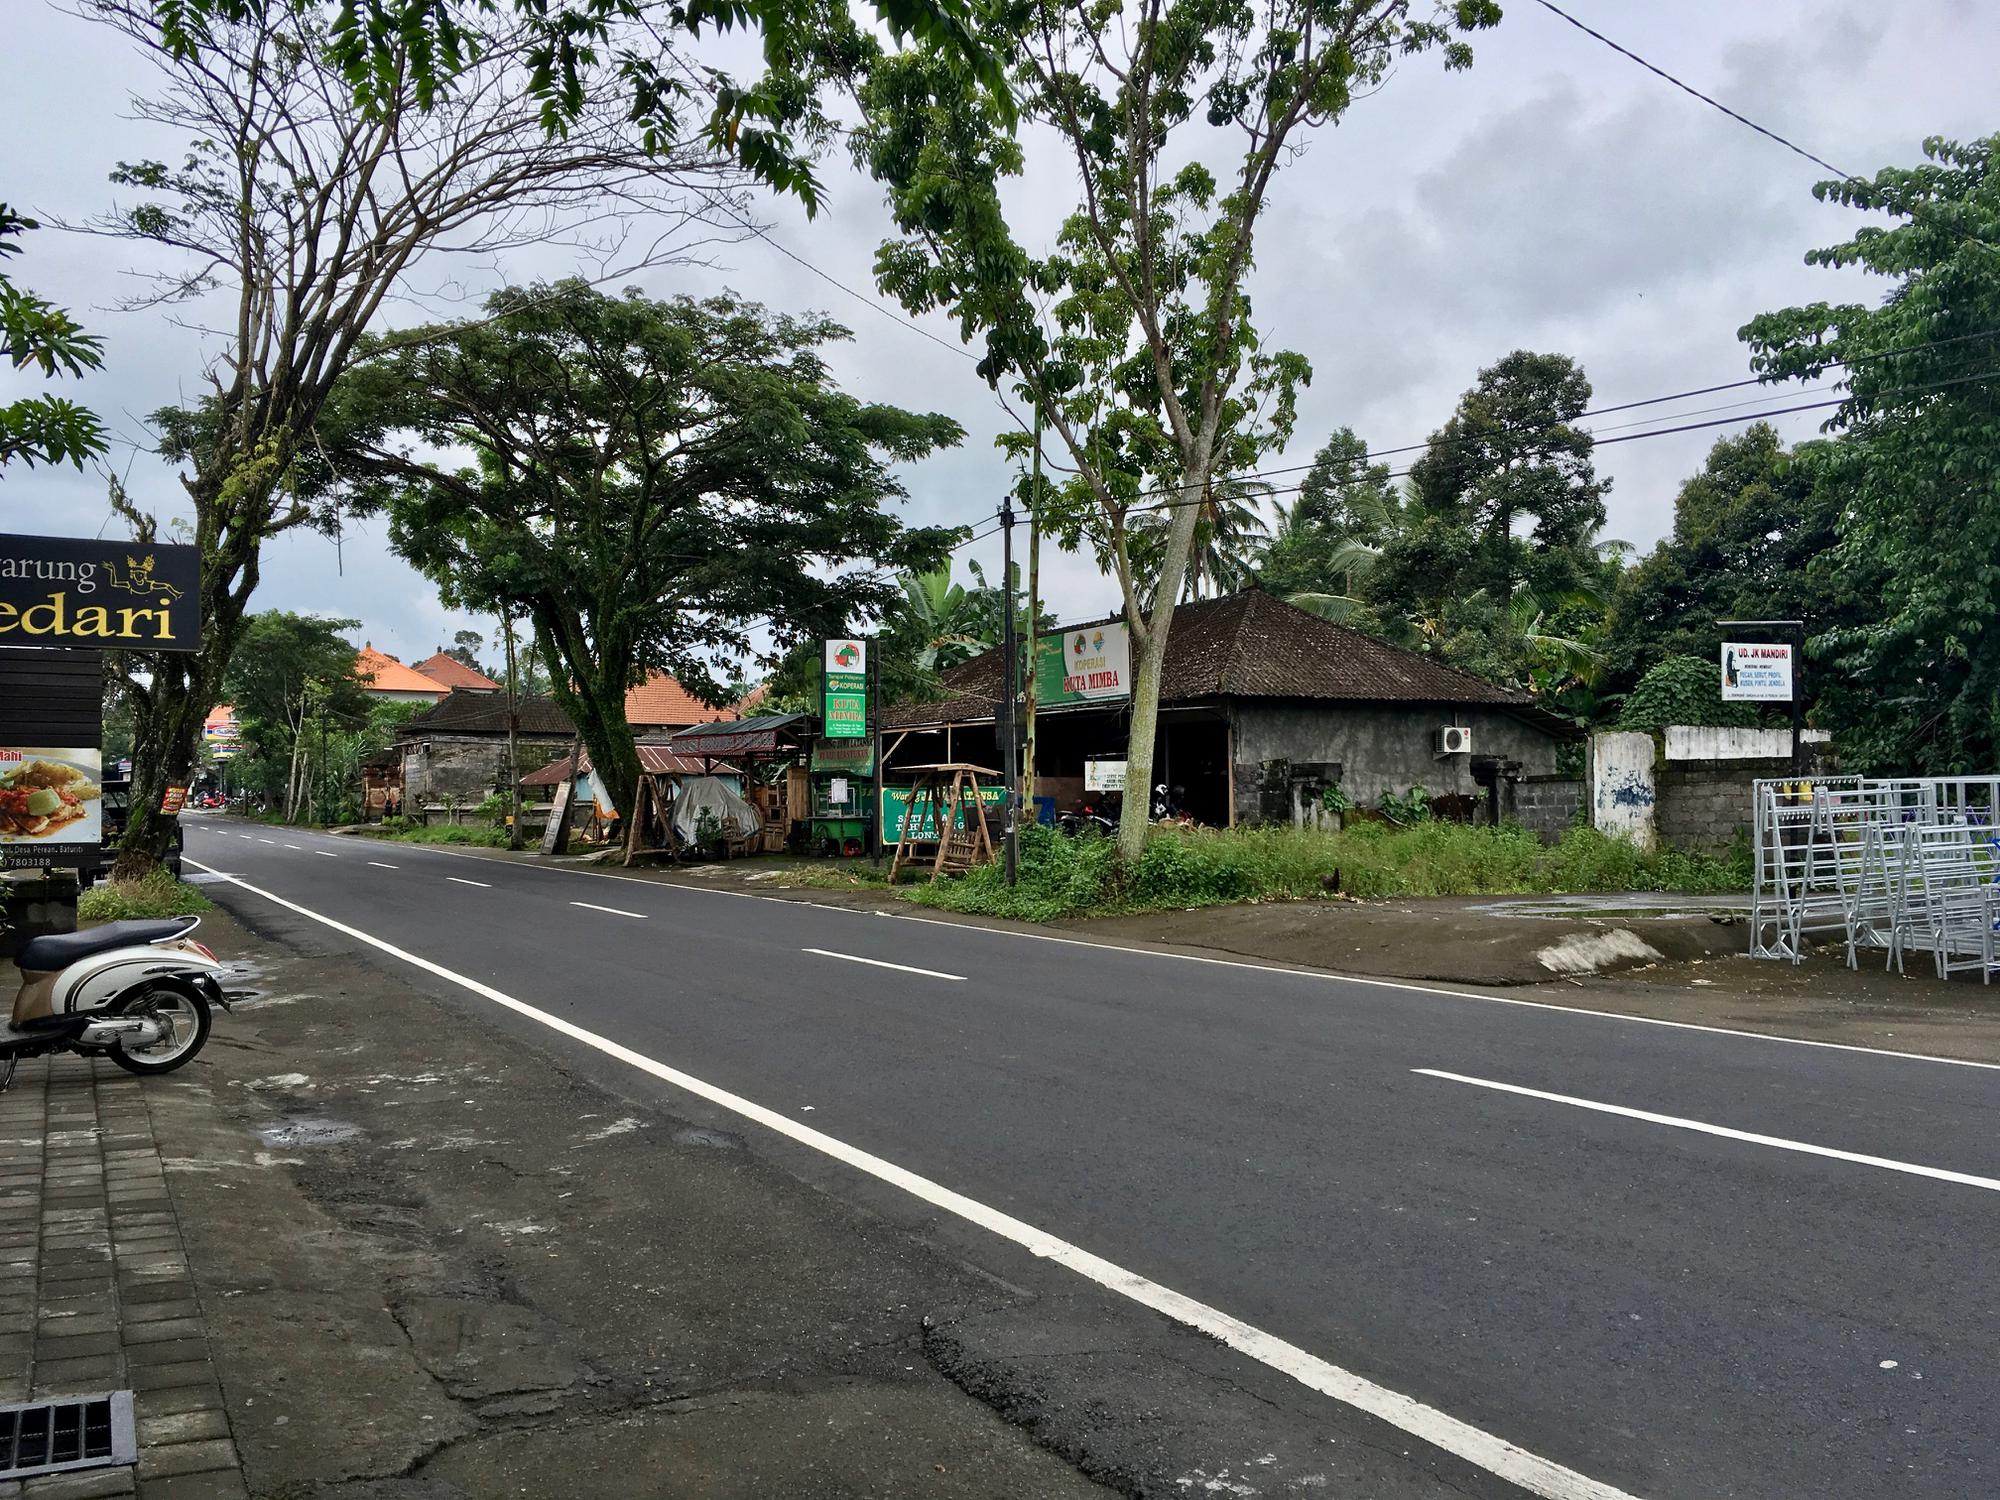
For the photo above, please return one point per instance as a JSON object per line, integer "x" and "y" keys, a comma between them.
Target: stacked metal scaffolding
{"x": 1899, "y": 864}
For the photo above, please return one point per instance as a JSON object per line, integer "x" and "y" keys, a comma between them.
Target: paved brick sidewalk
{"x": 95, "y": 1292}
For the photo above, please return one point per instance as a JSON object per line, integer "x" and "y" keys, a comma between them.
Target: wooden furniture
{"x": 945, "y": 799}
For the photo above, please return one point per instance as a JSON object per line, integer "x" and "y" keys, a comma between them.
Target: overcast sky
{"x": 1556, "y": 197}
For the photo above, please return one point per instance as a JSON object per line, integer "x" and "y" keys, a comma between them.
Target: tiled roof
{"x": 453, "y": 673}
{"x": 378, "y": 672}
{"x": 1251, "y": 645}
{"x": 486, "y": 713}
{"x": 661, "y": 701}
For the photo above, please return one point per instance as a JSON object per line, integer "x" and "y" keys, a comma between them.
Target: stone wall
{"x": 467, "y": 767}
{"x": 1370, "y": 748}
{"x": 1705, "y": 804}
{"x": 1544, "y": 805}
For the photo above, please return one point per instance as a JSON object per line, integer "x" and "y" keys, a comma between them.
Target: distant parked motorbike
{"x": 1092, "y": 816}
{"x": 136, "y": 992}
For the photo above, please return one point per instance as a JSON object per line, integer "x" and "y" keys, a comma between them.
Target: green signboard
{"x": 896, "y": 808}
{"x": 1085, "y": 664}
{"x": 844, "y": 698}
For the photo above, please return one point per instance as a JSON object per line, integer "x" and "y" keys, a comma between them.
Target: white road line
{"x": 1537, "y": 1475}
{"x": 326, "y": 853}
{"x": 1777, "y": 1142}
{"x": 855, "y": 958}
{"x": 1323, "y": 975}
{"x": 243, "y": 836}
{"x": 267, "y": 841}
{"x": 614, "y": 911}
{"x": 455, "y": 880}
{"x": 291, "y": 846}
{"x": 380, "y": 866}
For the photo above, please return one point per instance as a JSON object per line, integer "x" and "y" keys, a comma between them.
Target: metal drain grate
{"x": 75, "y": 1432}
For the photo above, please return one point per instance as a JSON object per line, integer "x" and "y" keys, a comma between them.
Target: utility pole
{"x": 514, "y": 840}
{"x": 874, "y": 751}
{"x": 1010, "y": 688}
{"x": 1034, "y": 607}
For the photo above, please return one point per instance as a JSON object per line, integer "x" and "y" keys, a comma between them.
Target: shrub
{"x": 494, "y": 809}
{"x": 1065, "y": 877}
{"x": 157, "y": 894}
{"x": 453, "y": 833}
{"x": 1682, "y": 690}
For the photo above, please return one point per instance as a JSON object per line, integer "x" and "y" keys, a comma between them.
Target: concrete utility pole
{"x": 514, "y": 840}
{"x": 1010, "y": 687}
{"x": 1034, "y": 609}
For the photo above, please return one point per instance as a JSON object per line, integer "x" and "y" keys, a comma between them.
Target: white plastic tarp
{"x": 702, "y": 797}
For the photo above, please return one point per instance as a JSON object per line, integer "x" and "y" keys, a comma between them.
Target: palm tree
{"x": 1229, "y": 536}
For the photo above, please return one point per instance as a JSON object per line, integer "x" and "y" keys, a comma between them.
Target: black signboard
{"x": 51, "y": 771}
{"x": 111, "y": 595}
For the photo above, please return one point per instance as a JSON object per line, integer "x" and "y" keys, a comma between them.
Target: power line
{"x": 1628, "y": 437}
{"x": 1818, "y": 161}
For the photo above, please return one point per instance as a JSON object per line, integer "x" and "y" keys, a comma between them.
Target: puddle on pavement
{"x": 307, "y": 1132}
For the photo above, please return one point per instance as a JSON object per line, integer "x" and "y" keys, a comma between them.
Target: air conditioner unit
{"x": 1454, "y": 739}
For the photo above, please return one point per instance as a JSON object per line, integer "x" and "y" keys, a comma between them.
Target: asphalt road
{"x": 1804, "y": 1304}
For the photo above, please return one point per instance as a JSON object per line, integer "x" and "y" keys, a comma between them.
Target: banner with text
{"x": 844, "y": 697}
{"x": 896, "y": 808}
{"x": 1089, "y": 664}
{"x": 59, "y": 591}
{"x": 1756, "y": 672}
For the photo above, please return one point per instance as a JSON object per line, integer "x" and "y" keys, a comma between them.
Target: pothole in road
{"x": 307, "y": 1132}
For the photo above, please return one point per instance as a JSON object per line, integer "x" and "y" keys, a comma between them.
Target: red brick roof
{"x": 662, "y": 703}
{"x": 453, "y": 673}
{"x": 378, "y": 672}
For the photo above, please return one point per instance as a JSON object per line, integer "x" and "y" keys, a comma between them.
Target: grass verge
{"x": 1065, "y": 877}
{"x": 158, "y": 894}
{"x": 444, "y": 833}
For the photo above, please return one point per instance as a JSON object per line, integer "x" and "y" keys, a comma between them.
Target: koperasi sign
{"x": 112, "y": 595}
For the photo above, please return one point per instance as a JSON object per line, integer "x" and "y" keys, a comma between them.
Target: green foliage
{"x": 1752, "y": 538}
{"x": 494, "y": 808}
{"x": 38, "y": 335}
{"x": 1330, "y": 536}
{"x": 402, "y": 831}
{"x": 1683, "y": 690}
{"x": 1411, "y": 806}
{"x": 1335, "y": 799}
{"x": 155, "y": 894}
{"x": 1063, "y": 877}
{"x": 649, "y": 478}
{"x": 572, "y": 50}
{"x": 1911, "y": 680}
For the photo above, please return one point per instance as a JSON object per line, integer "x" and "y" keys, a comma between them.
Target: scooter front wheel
{"x": 182, "y": 1014}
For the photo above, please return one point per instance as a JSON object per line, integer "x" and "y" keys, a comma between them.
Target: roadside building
{"x": 455, "y": 676}
{"x": 660, "y": 705}
{"x": 382, "y": 676}
{"x": 457, "y": 748}
{"x": 1262, "y": 707}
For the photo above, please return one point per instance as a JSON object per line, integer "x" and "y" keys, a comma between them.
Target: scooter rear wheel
{"x": 183, "y": 1011}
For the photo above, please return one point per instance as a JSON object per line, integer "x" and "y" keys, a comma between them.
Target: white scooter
{"x": 136, "y": 992}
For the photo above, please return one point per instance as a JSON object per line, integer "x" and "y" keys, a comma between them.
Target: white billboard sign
{"x": 1756, "y": 672}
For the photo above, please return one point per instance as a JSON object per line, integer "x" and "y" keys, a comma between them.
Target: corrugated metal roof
{"x": 654, "y": 760}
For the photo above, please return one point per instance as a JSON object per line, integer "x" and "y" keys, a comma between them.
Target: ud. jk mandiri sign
{"x": 111, "y": 595}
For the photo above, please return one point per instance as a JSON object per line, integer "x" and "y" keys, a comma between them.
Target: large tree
{"x": 1919, "y": 678}
{"x": 1153, "y": 377}
{"x": 36, "y": 334}
{"x": 1750, "y": 541}
{"x": 295, "y": 217}
{"x": 1333, "y": 531}
{"x": 290, "y": 673}
{"x": 648, "y": 480}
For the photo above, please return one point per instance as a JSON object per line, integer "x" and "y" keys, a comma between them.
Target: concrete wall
{"x": 468, "y": 766}
{"x": 1544, "y": 805}
{"x": 1622, "y": 789}
{"x": 1370, "y": 749}
{"x": 1712, "y": 742}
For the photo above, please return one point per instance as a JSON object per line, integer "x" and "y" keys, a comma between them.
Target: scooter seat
{"x": 58, "y": 950}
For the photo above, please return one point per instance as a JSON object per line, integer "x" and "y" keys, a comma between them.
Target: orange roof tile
{"x": 453, "y": 673}
{"x": 661, "y": 702}
{"x": 378, "y": 672}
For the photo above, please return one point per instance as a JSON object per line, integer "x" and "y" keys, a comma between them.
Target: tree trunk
{"x": 1136, "y": 816}
{"x": 166, "y": 728}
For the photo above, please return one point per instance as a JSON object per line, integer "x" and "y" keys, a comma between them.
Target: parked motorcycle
{"x": 1092, "y": 816}
{"x": 136, "y": 992}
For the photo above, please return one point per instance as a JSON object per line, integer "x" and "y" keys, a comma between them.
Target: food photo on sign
{"x": 51, "y": 796}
